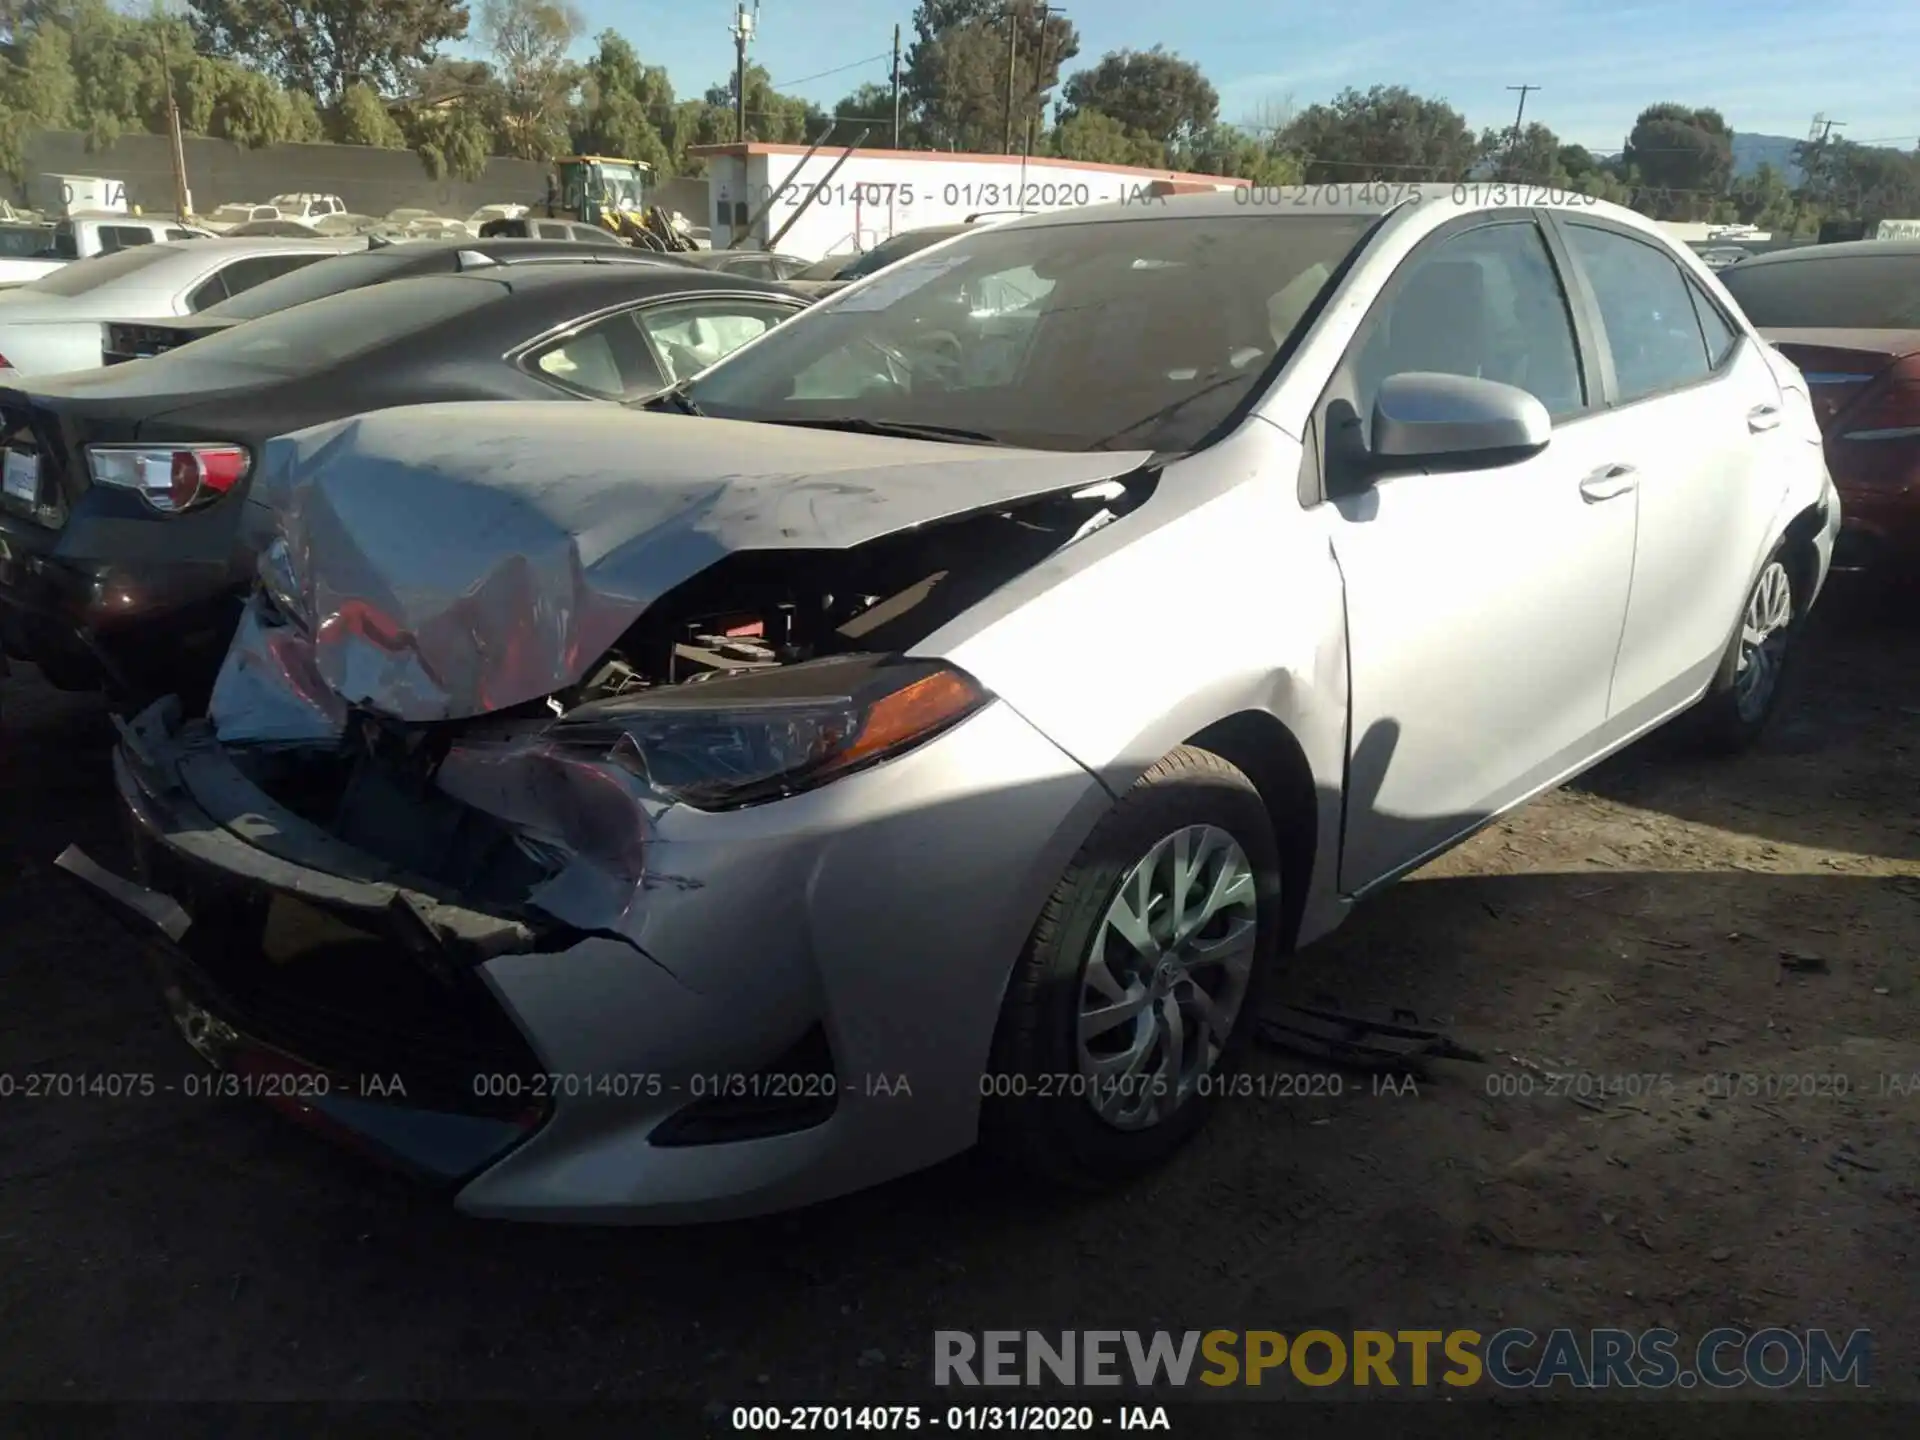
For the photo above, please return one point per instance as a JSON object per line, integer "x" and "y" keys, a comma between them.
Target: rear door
{"x": 1693, "y": 408}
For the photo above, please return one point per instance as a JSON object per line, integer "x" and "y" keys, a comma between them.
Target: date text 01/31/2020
{"x": 988, "y": 195}
{"x": 1016, "y": 1418}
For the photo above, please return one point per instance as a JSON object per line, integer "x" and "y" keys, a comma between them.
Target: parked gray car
{"x": 932, "y": 723}
{"x": 54, "y": 324}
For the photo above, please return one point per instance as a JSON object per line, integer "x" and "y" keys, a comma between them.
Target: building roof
{"x": 743, "y": 149}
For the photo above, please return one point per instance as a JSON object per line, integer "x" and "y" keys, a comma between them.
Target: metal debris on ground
{"x": 1323, "y": 1032}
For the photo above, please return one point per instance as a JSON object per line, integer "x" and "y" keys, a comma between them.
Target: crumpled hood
{"x": 444, "y": 561}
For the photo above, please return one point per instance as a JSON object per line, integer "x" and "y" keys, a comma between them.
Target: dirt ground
{"x": 1666, "y": 918}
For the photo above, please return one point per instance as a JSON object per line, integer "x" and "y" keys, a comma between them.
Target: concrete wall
{"x": 372, "y": 182}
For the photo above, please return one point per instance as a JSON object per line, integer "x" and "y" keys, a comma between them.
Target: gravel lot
{"x": 1666, "y": 917}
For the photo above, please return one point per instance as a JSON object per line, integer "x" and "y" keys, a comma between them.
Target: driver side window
{"x": 1486, "y": 303}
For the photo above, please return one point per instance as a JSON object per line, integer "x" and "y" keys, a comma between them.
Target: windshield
{"x": 313, "y": 282}
{"x": 1124, "y": 335}
{"x": 308, "y": 338}
{"x": 1840, "y": 292}
{"x": 77, "y": 277}
{"x": 25, "y": 242}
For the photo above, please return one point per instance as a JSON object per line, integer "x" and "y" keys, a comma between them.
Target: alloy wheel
{"x": 1763, "y": 641}
{"x": 1165, "y": 977}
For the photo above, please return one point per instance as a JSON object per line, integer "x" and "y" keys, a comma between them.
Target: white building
{"x": 877, "y": 193}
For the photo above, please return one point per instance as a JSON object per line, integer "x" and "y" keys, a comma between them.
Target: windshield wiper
{"x": 903, "y": 429}
{"x": 674, "y": 397}
{"x": 1167, "y": 412}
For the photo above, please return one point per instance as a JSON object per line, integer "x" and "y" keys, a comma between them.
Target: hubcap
{"x": 1763, "y": 641}
{"x": 1165, "y": 977}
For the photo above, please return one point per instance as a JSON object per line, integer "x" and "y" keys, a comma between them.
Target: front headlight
{"x": 737, "y": 740}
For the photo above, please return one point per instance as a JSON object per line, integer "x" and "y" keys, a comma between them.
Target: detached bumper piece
{"x": 354, "y": 1007}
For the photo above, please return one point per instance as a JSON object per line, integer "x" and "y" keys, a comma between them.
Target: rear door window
{"x": 1719, "y": 332}
{"x": 124, "y": 237}
{"x": 1646, "y": 311}
{"x": 689, "y": 335}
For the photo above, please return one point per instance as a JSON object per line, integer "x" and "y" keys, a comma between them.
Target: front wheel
{"x": 1130, "y": 1007}
{"x": 1746, "y": 688}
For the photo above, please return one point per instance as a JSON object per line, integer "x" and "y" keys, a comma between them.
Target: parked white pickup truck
{"x": 23, "y": 246}
{"x": 78, "y": 236}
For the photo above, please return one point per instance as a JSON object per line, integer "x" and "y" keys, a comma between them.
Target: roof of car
{"x": 554, "y": 274}
{"x": 1843, "y": 250}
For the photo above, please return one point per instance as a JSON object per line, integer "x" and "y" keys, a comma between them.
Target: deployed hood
{"x": 441, "y": 562}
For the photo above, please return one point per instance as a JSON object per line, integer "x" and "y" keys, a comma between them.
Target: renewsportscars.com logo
{"x": 1510, "y": 1359}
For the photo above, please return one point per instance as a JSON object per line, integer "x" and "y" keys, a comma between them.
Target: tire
{"x": 1040, "y": 1090}
{"x": 1731, "y": 716}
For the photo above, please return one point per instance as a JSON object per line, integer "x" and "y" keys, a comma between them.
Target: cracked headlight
{"x": 722, "y": 743}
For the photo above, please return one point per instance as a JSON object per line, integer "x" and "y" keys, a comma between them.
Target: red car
{"x": 1849, "y": 316}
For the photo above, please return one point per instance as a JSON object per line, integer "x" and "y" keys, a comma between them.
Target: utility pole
{"x": 742, "y": 32}
{"x": 1513, "y": 144}
{"x": 896, "y": 87}
{"x": 1039, "y": 77}
{"x": 182, "y": 200}
{"x": 1013, "y": 55}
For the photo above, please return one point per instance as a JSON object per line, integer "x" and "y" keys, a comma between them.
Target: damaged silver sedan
{"x": 930, "y": 724}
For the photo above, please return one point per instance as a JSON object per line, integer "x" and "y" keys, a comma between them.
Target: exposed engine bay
{"x": 764, "y": 608}
{"x": 713, "y": 696}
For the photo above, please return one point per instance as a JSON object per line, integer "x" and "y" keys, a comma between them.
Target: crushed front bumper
{"x": 847, "y": 946}
{"x": 325, "y": 997}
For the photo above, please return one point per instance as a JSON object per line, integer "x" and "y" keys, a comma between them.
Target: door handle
{"x": 1609, "y": 481}
{"x": 1763, "y": 417}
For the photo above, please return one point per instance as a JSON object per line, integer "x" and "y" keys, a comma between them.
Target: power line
{"x": 837, "y": 70}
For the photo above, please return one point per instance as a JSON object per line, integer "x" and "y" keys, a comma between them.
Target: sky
{"x": 1768, "y": 65}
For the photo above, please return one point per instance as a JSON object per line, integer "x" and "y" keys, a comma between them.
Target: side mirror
{"x": 1421, "y": 418}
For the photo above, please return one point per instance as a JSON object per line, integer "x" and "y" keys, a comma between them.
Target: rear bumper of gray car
{"x": 807, "y": 1011}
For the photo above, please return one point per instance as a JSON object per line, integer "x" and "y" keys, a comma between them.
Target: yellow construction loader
{"x": 613, "y": 194}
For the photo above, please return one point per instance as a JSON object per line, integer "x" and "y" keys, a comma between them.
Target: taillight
{"x": 5, "y": 363}
{"x": 170, "y": 478}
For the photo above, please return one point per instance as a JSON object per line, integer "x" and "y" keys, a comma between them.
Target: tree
{"x": 771, "y": 117}
{"x": 1386, "y": 133}
{"x": 1575, "y": 161}
{"x": 1533, "y": 155}
{"x": 41, "y": 83}
{"x": 871, "y": 108}
{"x": 623, "y": 103}
{"x": 1763, "y": 198}
{"x": 1861, "y": 181}
{"x": 1684, "y": 156}
{"x": 361, "y": 118}
{"x": 1242, "y": 154}
{"x": 956, "y": 70}
{"x": 1096, "y": 138}
{"x": 530, "y": 40}
{"x": 1150, "y": 92}
{"x": 450, "y": 140}
{"x": 325, "y": 46}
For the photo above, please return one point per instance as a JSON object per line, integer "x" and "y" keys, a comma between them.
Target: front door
{"x": 1484, "y": 607}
